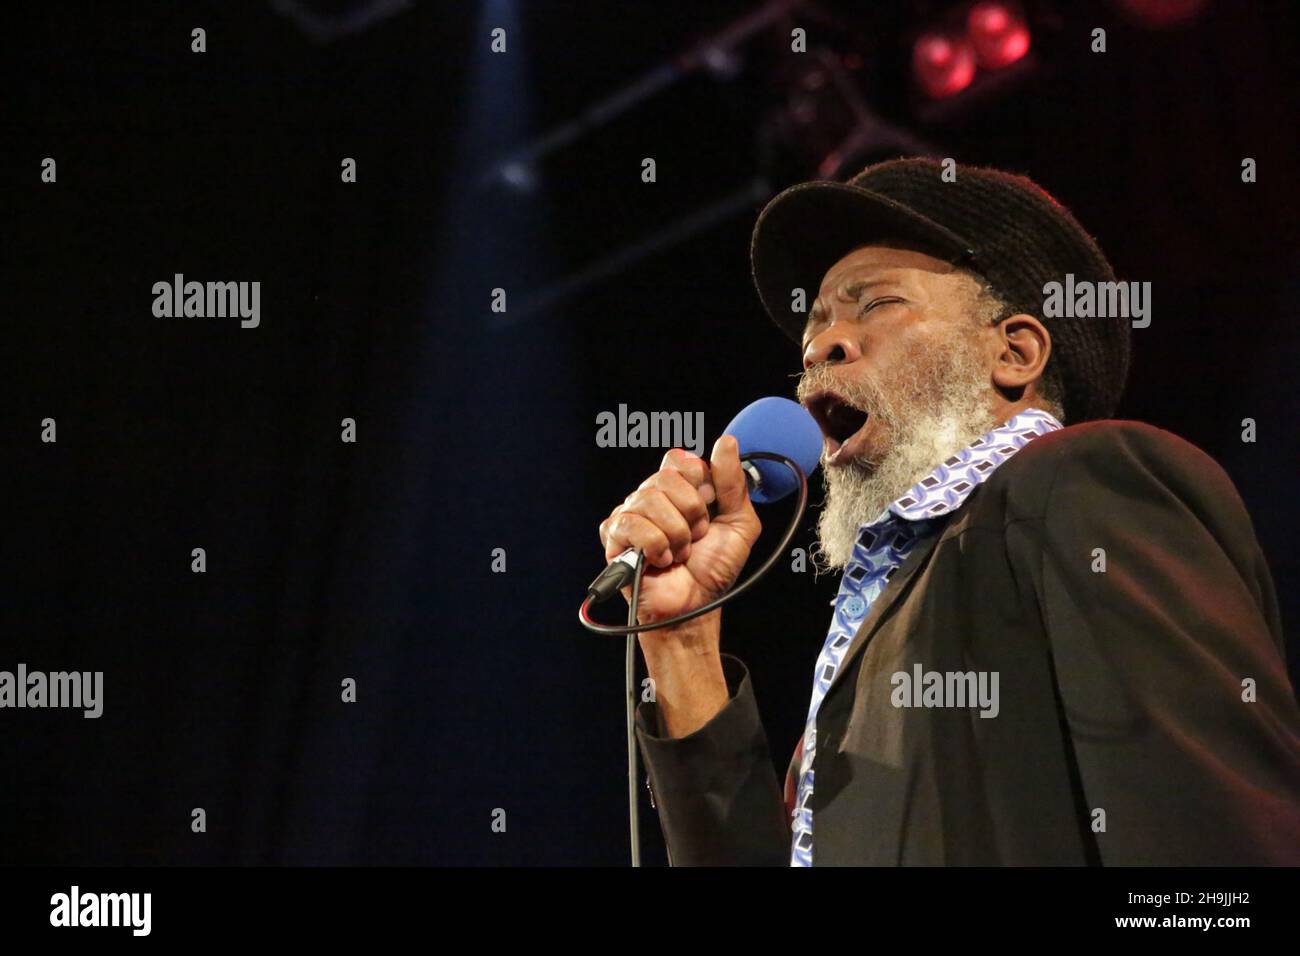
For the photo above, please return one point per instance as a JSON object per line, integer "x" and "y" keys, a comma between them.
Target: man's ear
{"x": 1024, "y": 345}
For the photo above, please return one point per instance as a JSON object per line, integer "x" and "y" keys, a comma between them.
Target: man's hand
{"x": 690, "y": 560}
{"x": 690, "y": 557}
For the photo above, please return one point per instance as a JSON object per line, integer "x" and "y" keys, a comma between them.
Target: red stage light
{"x": 998, "y": 35}
{"x": 944, "y": 65}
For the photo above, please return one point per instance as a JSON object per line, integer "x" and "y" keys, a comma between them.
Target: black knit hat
{"x": 1004, "y": 227}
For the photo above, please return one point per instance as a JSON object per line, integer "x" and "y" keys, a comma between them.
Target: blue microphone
{"x": 777, "y": 426}
{"x": 766, "y": 431}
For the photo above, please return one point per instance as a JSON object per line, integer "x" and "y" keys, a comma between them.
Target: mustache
{"x": 862, "y": 392}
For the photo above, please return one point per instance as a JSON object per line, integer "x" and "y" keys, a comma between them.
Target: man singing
{"x": 1055, "y": 641}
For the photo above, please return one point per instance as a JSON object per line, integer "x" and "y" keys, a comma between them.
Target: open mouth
{"x": 841, "y": 424}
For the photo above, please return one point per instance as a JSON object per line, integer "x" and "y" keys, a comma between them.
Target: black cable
{"x": 629, "y": 667}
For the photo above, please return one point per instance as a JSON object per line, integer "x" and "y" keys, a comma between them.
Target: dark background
{"x": 477, "y": 430}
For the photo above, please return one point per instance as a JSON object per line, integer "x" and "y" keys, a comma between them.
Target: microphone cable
{"x": 620, "y": 573}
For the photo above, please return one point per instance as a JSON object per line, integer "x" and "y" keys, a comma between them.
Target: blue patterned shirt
{"x": 882, "y": 546}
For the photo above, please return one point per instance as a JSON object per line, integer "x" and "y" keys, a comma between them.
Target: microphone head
{"x": 783, "y": 427}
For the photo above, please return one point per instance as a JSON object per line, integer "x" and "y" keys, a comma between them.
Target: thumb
{"x": 728, "y": 476}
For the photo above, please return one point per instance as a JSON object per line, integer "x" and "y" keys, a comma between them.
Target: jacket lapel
{"x": 888, "y": 597}
{"x": 896, "y": 586}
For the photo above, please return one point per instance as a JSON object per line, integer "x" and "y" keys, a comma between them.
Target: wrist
{"x": 685, "y": 664}
{"x": 684, "y": 646}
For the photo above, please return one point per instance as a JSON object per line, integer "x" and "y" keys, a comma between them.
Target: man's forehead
{"x": 880, "y": 263}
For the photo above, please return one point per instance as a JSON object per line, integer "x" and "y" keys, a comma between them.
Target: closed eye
{"x": 875, "y": 302}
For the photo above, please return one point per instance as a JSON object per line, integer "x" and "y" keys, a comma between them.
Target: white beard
{"x": 936, "y": 403}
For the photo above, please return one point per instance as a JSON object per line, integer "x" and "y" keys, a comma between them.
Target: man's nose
{"x": 837, "y": 344}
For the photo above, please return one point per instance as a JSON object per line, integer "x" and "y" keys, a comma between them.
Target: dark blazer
{"x": 1122, "y": 735}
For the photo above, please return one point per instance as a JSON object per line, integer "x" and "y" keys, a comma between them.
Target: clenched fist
{"x": 690, "y": 557}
